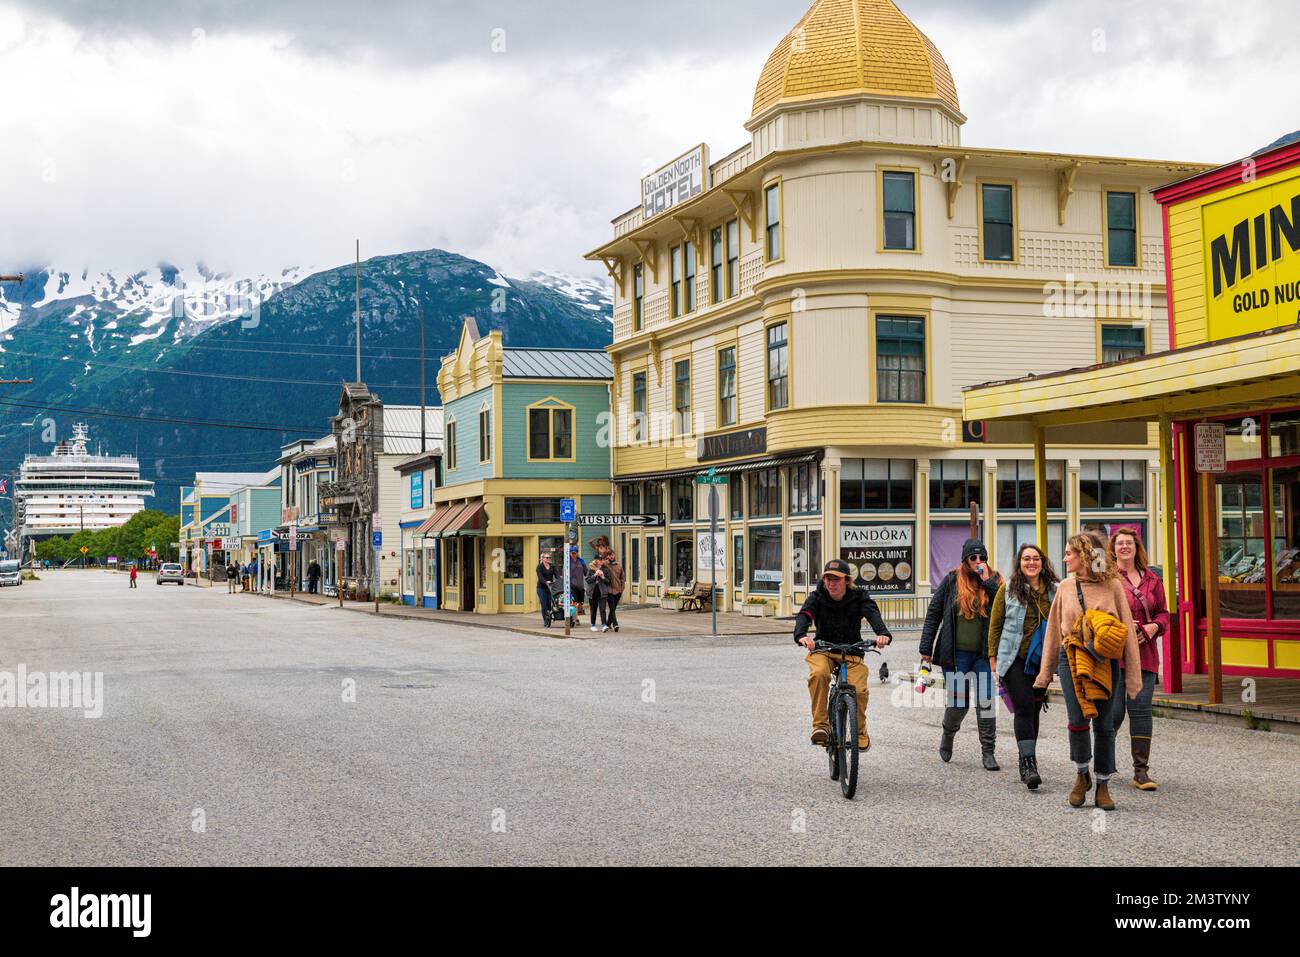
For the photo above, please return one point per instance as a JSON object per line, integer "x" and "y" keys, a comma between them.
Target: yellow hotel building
{"x": 803, "y": 314}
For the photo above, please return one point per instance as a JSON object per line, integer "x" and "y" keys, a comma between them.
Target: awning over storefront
{"x": 436, "y": 522}
{"x": 470, "y": 520}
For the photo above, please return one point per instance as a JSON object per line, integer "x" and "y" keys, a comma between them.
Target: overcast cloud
{"x": 259, "y": 135}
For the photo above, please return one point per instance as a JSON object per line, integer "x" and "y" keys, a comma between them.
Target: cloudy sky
{"x": 255, "y": 135}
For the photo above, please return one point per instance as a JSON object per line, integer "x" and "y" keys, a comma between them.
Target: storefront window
{"x": 683, "y": 560}
{"x": 1016, "y": 485}
{"x": 805, "y": 489}
{"x": 430, "y": 577}
{"x": 764, "y": 492}
{"x": 1011, "y": 535}
{"x": 1111, "y": 484}
{"x": 513, "y": 549}
{"x": 1284, "y": 435}
{"x": 634, "y": 565}
{"x": 552, "y": 544}
{"x": 765, "y": 558}
{"x": 452, "y": 564}
{"x": 876, "y": 485}
{"x": 736, "y": 495}
{"x": 683, "y": 490}
{"x": 799, "y": 558}
{"x": 955, "y": 484}
{"x": 631, "y": 499}
{"x": 1243, "y": 440}
{"x": 814, "y": 556}
{"x": 738, "y": 560}
{"x": 1242, "y": 574}
{"x": 654, "y": 498}
{"x": 532, "y": 511}
{"x": 654, "y": 562}
{"x": 1286, "y": 544}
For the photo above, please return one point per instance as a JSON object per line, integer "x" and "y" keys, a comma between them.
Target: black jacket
{"x": 941, "y": 621}
{"x": 838, "y": 622}
{"x": 545, "y": 576}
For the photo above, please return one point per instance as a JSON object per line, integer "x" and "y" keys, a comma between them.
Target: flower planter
{"x": 672, "y": 604}
{"x": 757, "y": 611}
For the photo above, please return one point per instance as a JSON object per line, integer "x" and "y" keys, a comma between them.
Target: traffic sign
{"x": 567, "y": 509}
{"x": 654, "y": 520}
{"x": 376, "y": 539}
{"x": 83, "y": 549}
{"x": 293, "y": 537}
{"x": 1211, "y": 447}
{"x": 340, "y": 545}
{"x": 711, "y": 477}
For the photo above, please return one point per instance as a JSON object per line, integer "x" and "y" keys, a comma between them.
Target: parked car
{"x": 170, "y": 572}
{"x": 11, "y": 573}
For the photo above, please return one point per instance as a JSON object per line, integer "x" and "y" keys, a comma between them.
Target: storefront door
{"x": 468, "y": 586}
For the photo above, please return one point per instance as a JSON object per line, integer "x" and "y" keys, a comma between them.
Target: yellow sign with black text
{"x": 1252, "y": 259}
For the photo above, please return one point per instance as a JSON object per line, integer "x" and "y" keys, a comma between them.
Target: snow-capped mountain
{"x": 135, "y": 352}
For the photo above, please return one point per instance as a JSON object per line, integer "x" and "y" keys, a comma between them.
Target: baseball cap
{"x": 837, "y": 566}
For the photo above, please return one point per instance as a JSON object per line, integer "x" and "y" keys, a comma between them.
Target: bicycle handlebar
{"x": 857, "y": 648}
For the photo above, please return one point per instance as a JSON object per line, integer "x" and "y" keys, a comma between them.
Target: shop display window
{"x": 1286, "y": 544}
{"x": 765, "y": 559}
{"x": 1241, "y": 533}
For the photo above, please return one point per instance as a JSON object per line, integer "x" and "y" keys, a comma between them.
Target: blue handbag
{"x": 1034, "y": 656}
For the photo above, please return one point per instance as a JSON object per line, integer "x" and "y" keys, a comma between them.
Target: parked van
{"x": 10, "y": 573}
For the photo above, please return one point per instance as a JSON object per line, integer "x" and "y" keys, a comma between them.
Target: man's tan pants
{"x": 820, "y": 664}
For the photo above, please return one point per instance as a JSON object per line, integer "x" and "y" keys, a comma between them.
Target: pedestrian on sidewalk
{"x": 313, "y": 577}
{"x": 596, "y": 582}
{"x": 1089, "y": 601}
{"x": 546, "y": 575}
{"x": 1146, "y": 600}
{"x": 614, "y": 589}
{"x": 577, "y": 575}
{"x": 956, "y": 637}
{"x": 232, "y": 576}
{"x": 1017, "y": 631}
{"x": 134, "y": 574}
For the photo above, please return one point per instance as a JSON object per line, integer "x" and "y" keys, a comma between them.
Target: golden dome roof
{"x": 843, "y": 47}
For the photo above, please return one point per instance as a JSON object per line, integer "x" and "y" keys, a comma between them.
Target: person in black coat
{"x": 837, "y": 607}
{"x": 545, "y": 576}
{"x": 955, "y": 637}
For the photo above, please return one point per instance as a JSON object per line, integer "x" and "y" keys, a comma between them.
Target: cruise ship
{"x": 72, "y": 489}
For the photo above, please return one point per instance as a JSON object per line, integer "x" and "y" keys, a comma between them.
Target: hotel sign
{"x": 683, "y": 179}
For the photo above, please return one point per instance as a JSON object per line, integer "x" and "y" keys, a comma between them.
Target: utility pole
{"x": 422, "y": 428}
{"x": 358, "y": 290}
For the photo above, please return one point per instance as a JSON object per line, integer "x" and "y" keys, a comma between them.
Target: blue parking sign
{"x": 567, "y": 510}
{"x": 377, "y": 539}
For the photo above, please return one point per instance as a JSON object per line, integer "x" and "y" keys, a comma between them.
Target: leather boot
{"x": 1141, "y": 755}
{"x": 952, "y": 719}
{"x": 1029, "y": 772}
{"x": 988, "y": 732}
{"x": 1082, "y": 785}
{"x": 1102, "y": 797}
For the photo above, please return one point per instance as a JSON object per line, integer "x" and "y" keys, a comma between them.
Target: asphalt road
{"x": 227, "y": 738}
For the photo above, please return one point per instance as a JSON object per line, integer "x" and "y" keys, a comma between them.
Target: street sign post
{"x": 339, "y": 548}
{"x": 293, "y": 558}
{"x": 711, "y": 477}
{"x": 713, "y": 538}
{"x": 569, "y": 516}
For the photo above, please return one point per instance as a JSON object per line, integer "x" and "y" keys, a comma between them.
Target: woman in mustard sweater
{"x": 1091, "y": 576}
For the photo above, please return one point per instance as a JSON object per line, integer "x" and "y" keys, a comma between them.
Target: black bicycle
{"x": 842, "y": 707}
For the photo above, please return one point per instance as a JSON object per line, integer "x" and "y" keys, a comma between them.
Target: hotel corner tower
{"x": 802, "y": 315}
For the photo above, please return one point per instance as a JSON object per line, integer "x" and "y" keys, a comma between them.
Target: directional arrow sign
{"x": 652, "y": 520}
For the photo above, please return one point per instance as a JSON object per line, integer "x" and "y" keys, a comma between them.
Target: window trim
{"x": 690, "y": 399}
{"x": 1144, "y": 325}
{"x": 449, "y": 434}
{"x": 638, "y": 301}
{"x": 731, "y": 274}
{"x": 551, "y": 404}
{"x": 888, "y": 311}
{"x": 880, "y": 208}
{"x": 774, "y": 183}
{"x": 1015, "y": 218}
{"x": 719, "y": 268}
{"x": 484, "y": 410}
{"x": 767, "y": 368}
{"x": 640, "y": 434}
{"x": 1137, "y": 226}
{"x": 675, "y": 267}
{"x": 690, "y": 263}
{"x": 735, "y": 365}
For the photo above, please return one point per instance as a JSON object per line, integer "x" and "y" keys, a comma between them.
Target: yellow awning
{"x": 1215, "y": 378}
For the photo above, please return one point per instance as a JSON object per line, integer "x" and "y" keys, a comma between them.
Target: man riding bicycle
{"x": 836, "y": 606}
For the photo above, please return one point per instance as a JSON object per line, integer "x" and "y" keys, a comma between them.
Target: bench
{"x": 699, "y": 598}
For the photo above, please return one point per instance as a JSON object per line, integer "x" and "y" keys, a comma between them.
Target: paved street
{"x": 483, "y": 747}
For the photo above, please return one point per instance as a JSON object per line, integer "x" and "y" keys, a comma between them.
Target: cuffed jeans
{"x": 820, "y": 665}
{"x": 971, "y": 676}
{"x": 544, "y": 602}
{"x": 1139, "y": 709}
{"x": 1103, "y": 726}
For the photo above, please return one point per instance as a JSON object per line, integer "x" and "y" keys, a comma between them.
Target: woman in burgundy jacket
{"x": 1146, "y": 599}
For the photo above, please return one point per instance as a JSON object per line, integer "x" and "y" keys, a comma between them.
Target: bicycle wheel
{"x": 832, "y": 752}
{"x": 846, "y": 724}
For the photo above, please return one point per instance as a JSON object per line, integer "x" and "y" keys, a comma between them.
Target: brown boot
{"x": 1102, "y": 797}
{"x": 1082, "y": 785}
{"x": 1141, "y": 754}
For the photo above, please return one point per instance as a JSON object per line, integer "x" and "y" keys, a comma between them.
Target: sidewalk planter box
{"x": 672, "y": 604}
{"x": 757, "y": 610}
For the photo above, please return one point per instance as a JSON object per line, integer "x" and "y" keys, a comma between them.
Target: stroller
{"x": 556, "y": 610}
